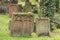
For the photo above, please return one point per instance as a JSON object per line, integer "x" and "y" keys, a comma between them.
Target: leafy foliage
{"x": 57, "y": 5}
{"x": 48, "y": 8}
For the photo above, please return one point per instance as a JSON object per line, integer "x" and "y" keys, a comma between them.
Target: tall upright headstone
{"x": 27, "y": 7}
{"x": 14, "y": 8}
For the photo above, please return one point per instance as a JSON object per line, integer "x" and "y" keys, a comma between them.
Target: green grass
{"x": 5, "y": 33}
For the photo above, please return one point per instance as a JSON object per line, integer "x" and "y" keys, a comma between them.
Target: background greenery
{"x": 5, "y": 33}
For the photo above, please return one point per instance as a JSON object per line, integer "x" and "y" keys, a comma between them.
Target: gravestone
{"x": 42, "y": 26}
{"x": 3, "y": 9}
{"x": 21, "y": 24}
{"x": 14, "y": 8}
{"x": 34, "y": 9}
{"x": 27, "y": 7}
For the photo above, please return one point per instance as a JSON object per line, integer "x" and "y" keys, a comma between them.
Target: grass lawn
{"x": 5, "y": 33}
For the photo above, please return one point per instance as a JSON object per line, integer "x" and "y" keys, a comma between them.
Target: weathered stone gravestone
{"x": 42, "y": 26}
{"x": 14, "y": 8}
{"x": 22, "y": 24}
{"x": 27, "y": 7}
